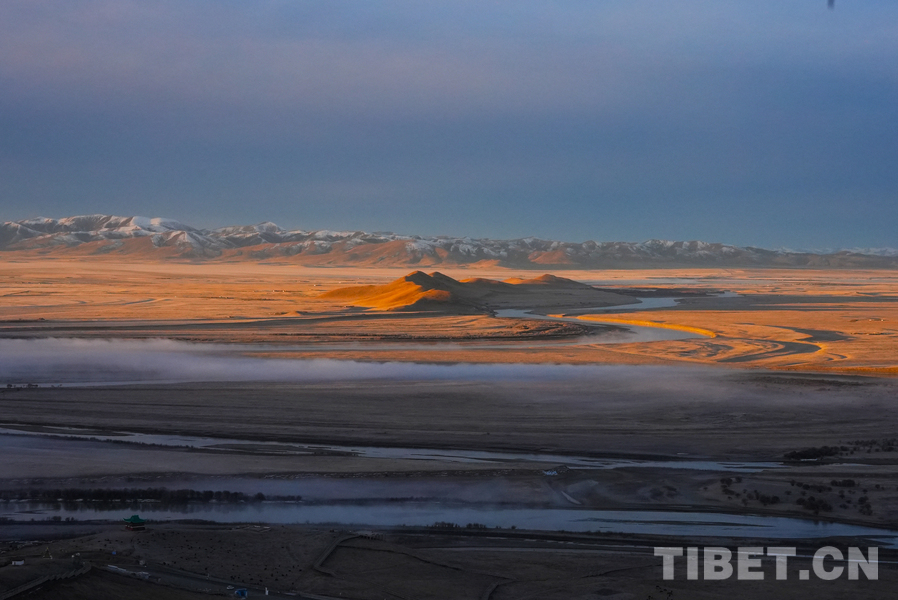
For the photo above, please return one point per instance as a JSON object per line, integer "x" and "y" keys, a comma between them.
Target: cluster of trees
{"x": 811, "y": 503}
{"x": 816, "y": 453}
{"x": 765, "y": 499}
{"x": 449, "y": 525}
{"x": 886, "y": 445}
{"x": 868, "y": 446}
{"x": 811, "y": 487}
{"x": 818, "y": 504}
{"x": 847, "y": 483}
{"x": 814, "y": 504}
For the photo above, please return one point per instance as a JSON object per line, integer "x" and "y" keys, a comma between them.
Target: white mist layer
{"x": 50, "y": 361}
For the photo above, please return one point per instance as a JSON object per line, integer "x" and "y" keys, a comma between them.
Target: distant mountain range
{"x": 146, "y": 238}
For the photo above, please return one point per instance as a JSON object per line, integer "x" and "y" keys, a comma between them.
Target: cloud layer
{"x": 749, "y": 122}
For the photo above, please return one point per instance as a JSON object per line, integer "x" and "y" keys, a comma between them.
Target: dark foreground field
{"x": 815, "y": 430}
{"x": 193, "y": 561}
{"x": 619, "y": 410}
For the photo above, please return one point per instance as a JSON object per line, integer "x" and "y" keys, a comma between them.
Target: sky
{"x": 751, "y": 122}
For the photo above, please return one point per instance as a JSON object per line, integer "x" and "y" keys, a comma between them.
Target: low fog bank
{"x": 79, "y": 361}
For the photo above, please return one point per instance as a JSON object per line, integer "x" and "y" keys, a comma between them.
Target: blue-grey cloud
{"x": 576, "y": 120}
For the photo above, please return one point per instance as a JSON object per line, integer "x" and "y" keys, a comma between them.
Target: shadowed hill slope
{"x": 419, "y": 291}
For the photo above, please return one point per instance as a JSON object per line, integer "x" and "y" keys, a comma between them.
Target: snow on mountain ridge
{"x": 267, "y": 241}
{"x": 872, "y": 251}
{"x": 887, "y": 251}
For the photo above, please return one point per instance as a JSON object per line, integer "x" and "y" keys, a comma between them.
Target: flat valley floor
{"x": 239, "y": 377}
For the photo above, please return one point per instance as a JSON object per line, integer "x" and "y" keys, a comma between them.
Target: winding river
{"x": 391, "y": 514}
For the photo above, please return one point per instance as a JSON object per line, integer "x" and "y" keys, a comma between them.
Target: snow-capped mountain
{"x": 165, "y": 238}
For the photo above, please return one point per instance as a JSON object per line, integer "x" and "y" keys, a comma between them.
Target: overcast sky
{"x": 754, "y": 122}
